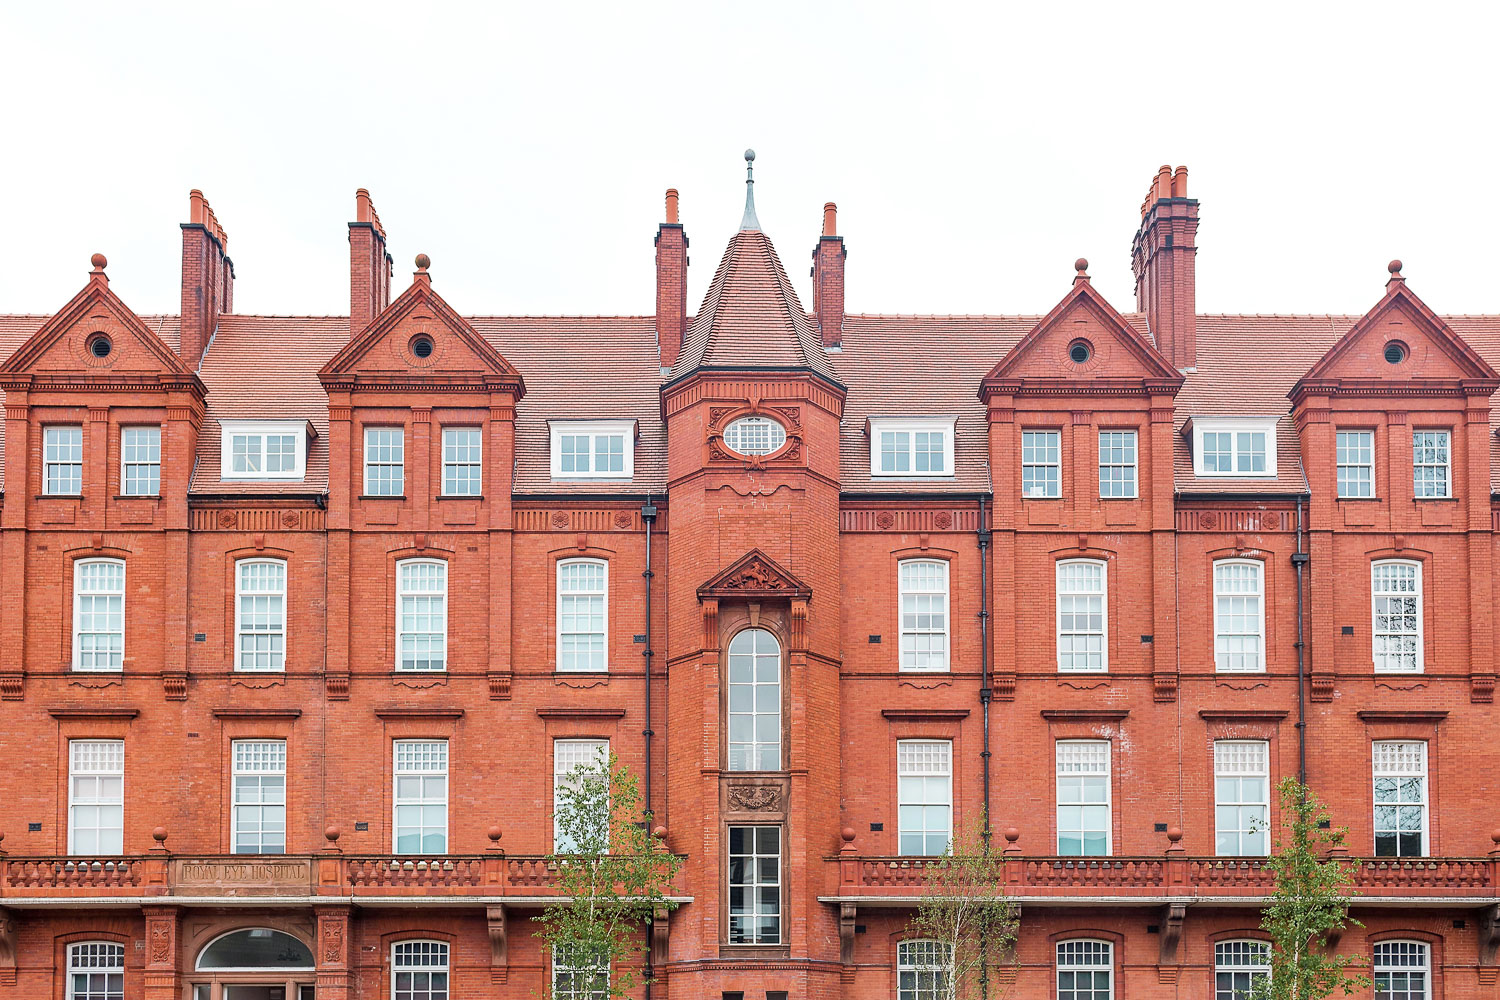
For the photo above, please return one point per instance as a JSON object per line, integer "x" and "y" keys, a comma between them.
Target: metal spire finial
{"x": 749, "y": 222}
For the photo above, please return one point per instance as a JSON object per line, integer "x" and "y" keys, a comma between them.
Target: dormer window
{"x": 593, "y": 449}
{"x": 911, "y": 447}
{"x": 271, "y": 449}
{"x": 1240, "y": 447}
{"x": 754, "y": 436}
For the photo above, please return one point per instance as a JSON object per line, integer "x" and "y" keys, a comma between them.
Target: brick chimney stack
{"x": 671, "y": 285}
{"x": 828, "y": 279}
{"x": 370, "y": 267}
{"x": 207, "y": 278}
{"x": 1163, "y": 258}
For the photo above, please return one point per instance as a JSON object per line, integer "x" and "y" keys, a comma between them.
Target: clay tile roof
{"x": 751, "y": 317}
{"x": 16, "y": 330}
{"x": 266, "y": 368}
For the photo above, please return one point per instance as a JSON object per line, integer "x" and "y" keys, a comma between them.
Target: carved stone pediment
{"x": 755, "y": 575}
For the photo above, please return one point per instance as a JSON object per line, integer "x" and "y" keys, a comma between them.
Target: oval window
{"x": 754, "y": 436}
{"x": 256, "y": 948}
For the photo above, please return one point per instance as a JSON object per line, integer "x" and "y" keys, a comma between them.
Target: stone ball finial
{"x": 423, "y": 262}
{"x": 159, "y": 835}
{"x": 1011, "y": 835}
{"x": 1081, "y": 265}
{"x": 1495, "y": 836}
{"x": 1174, "y": 834}
{"x": 749, "y": 156}
{"x": 1394, "y": 267}
{"x": 660, "y": 832}
{"x": 99, "y": 261}
{"x": 494, "y": 834}
{"x": 333, "y": 833}
{"x": 847, "y": 833}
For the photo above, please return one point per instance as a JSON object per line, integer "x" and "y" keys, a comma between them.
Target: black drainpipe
{"x": 985, "y": 690}
{"x": 648, "y": 515}
{"x": 1299, "y": 560}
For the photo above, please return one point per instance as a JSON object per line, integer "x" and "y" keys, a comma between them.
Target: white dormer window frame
{"x": 904, "y": 433}
{"x": 598, "y": 434}
{"x": 258, "y": 431}
{"x": 1241, "y": 451}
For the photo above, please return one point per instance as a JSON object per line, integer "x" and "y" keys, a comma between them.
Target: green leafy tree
{"x": 613, "y": 874}
{"x": 964, "y": 910}
{"x": 1310, "y": 904}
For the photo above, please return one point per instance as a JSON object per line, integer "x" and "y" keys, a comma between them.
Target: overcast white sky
{"x": 974, "y": 151}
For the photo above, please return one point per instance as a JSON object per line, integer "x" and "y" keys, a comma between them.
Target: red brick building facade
{"x": 303, "y": 615}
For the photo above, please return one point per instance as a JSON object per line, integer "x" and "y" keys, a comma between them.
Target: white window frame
{"x": 1396, "y": 774}
{"x": 79, "y": 566}
{"x": 1222, "y": 656}
{"x": 755, "y": 746}
{"x": 593, "y": 429}
{"x": 754, "y": 884}
{"x": 1234, "y": 426}
{"x": 127, "y": 464}
{"x": 1385, "y": 950}
{"x": 402, "y": 593}
{"x": 273, "y": 630}
{"x": 297, "y": 430}
{"x": 923, "y": 967}
{"x": 50, "y": 460}
{"x": 1250, "y": 957}
{"x": 563, "y": 598}
{"x": 1072, "y": 964}
{"x": 477, "y": 464}
{"x": 924, "y": 767}
{"x": 910, "y": 426}
{"x": 561, "y": 968}
{"x": 1103, "y": 633}
{"x": 96, "y": 958}
{"x": 1055, "y": 464}
{"x": 775, "y": 434}
{"x": 1442, "y": 439}
{"x": 116, "y": 750}
{"x": 1133, "y": 466}
{"x": 422, "y": 800}
{"x": 1077, "y": 766}
{"x": 398, "y": 443}
{"x": 566, "y": 755}
{"x": 1236, "y": 760}
{"x": 1375, "y": 631}
{"x": 413, "y": 949}
{"x": 910, "y": 658}
{"x": 1345, "y": 441}
{"x": 257, "y": 759}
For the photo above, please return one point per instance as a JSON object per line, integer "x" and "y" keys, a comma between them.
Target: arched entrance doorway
{"x": 256, "y": 963}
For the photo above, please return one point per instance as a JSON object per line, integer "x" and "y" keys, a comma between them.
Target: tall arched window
{"x": 1238, "y": 967}
{"x": 922, "y": 970}
{"x": 754, "y": 701}
{"x": 1396, "y": 596}
{"x": 1085, "y": 970}
{"x": 96, "y": 971}
{"x": 260, "y": 614}
{"x": 582, "y": 609}
{"x": 1401, "y": 971}
{"x": 419, "y": 970}
{"x": 924, "y": 614}
{"x": 1239, "y": 616}
{"x": 1082, "y": 620}
{"x": 421, "y": 615}
{"x": 99, "y": 614}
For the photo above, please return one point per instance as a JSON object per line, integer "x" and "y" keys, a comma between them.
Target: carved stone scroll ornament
{"x": 755, "y": 798}
{"x": 7, "y": 946}
{"x": 499, "y": 946}
{"x": 847, "y": 913}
